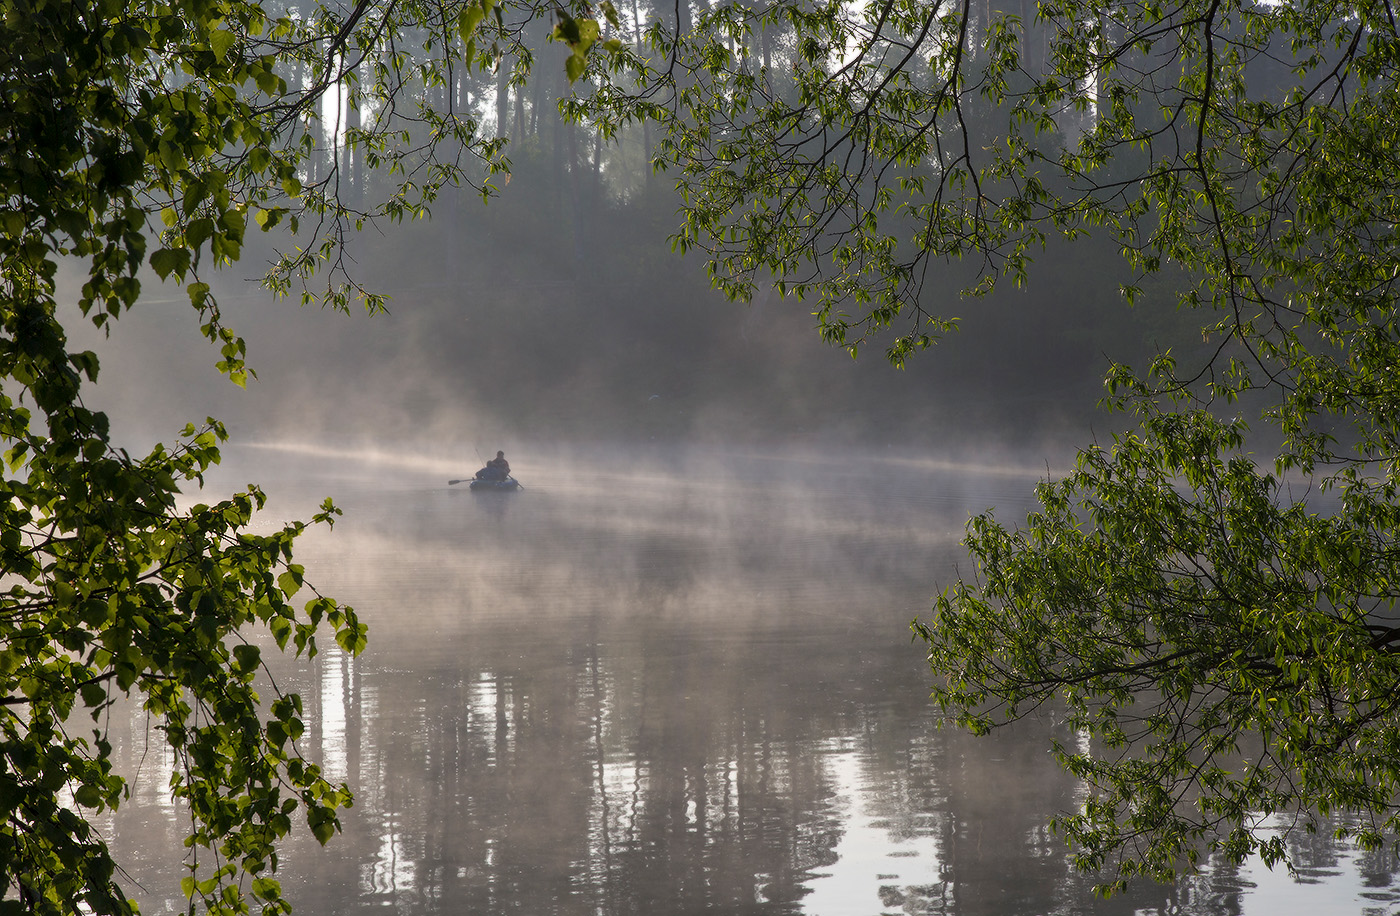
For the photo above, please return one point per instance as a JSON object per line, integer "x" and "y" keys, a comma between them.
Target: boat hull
{"x": 510, "y": 484}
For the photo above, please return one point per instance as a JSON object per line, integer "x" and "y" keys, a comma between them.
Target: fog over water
{"x": 675, "y": 672}
{"x": 676, "y": 685}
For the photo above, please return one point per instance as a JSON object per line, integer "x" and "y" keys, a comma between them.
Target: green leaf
{"x": 93, "y": 695}
{"x": 247, "y": 657}
{"x": 267, "y": 889}
{"x": 220, "y": 41}
{"x": 88, "y": 796}
{"x": 290, "y": 581}
{"x": 198, "y": 293}
{"x": 567, "y": 28}
{"x": 198, "y": 232}
{"x": 323, "y": 826}
{"x": 166, "y": 261}
{"x": 574, "y": 66}
{"x": 468, "y": 20}
{"x": 269, "y": 82}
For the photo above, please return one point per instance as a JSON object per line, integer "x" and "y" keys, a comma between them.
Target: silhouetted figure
{"x": 497, "y": 468}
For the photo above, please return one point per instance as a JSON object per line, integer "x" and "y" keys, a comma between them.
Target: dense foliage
{"x": 1211, "y": 597}
{"x": 140, "y": 141}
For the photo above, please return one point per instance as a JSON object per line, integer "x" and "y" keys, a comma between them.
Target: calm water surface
{"x": 689, "y": 688}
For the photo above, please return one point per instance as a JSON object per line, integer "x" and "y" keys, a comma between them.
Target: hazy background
{"x": 515, "y": 327}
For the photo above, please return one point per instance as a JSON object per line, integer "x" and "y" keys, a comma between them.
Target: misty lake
{"x": 674, "y": 686}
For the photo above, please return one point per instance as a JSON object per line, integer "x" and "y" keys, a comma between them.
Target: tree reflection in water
{"x": 666, "y": 695}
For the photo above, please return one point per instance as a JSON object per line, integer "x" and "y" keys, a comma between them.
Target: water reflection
{"x": 669, "y": 693}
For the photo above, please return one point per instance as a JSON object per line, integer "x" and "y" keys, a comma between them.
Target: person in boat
{"x": 497, "y": 468}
